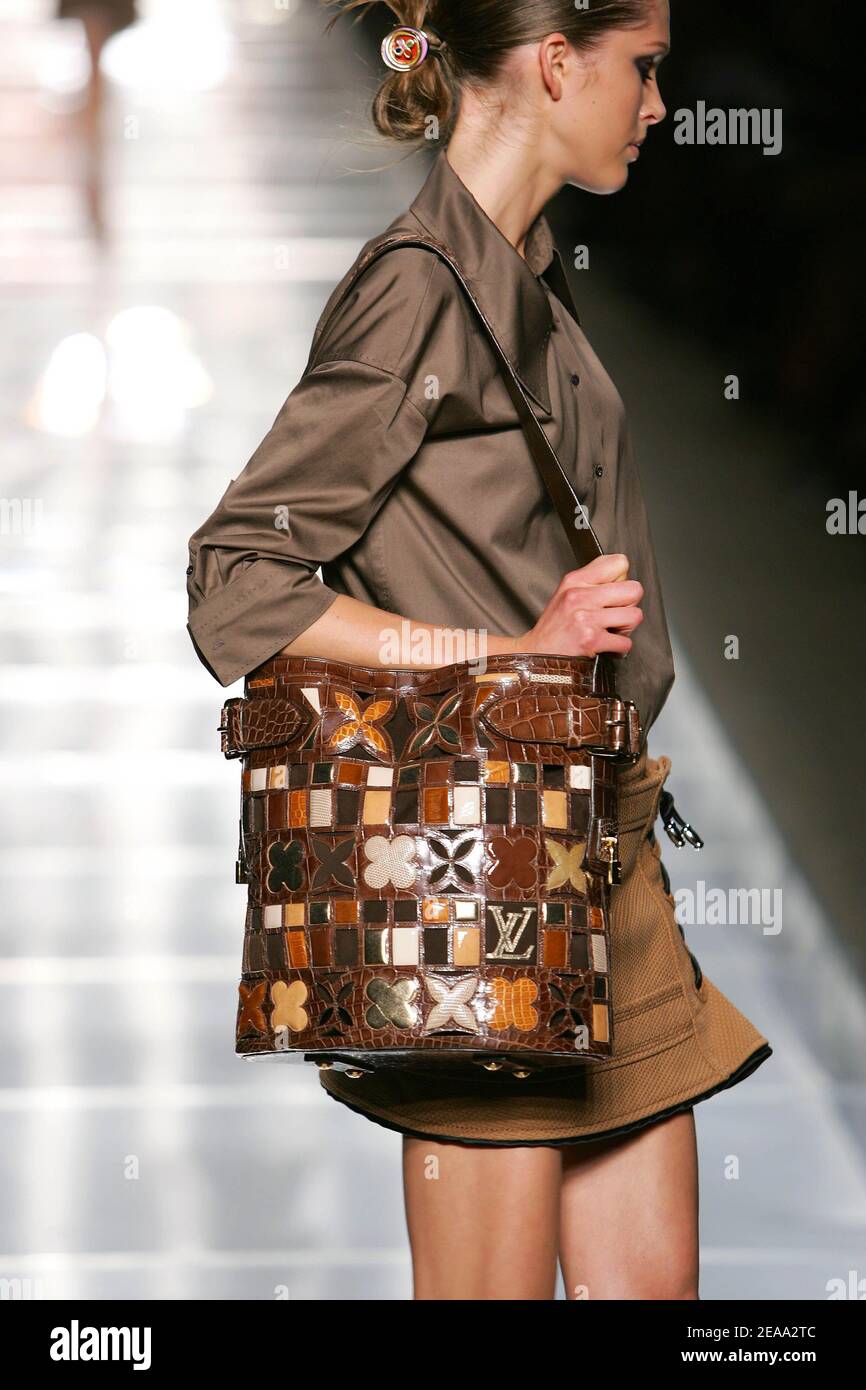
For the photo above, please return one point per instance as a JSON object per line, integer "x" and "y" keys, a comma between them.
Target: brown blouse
{"x": 399, "y": 466}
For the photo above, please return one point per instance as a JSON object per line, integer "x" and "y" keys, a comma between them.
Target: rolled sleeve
{"x": 310, "y": 490}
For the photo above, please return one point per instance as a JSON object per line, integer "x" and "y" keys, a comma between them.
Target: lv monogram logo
{"x": 511, "y": 927}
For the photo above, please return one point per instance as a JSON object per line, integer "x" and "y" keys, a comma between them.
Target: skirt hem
{"x": 751, "y": 1063}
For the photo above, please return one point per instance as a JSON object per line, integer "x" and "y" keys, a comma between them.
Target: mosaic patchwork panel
{"x": 443, "y": 896}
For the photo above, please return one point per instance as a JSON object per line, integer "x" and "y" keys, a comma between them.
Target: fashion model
{"x": 101, "y": 19}
{"x": 403, "y": 471}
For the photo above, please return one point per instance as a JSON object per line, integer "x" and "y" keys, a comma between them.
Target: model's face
{"x": 608, "y": 99}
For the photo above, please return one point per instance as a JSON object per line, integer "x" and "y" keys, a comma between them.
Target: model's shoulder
{"x": 386, "y": 300}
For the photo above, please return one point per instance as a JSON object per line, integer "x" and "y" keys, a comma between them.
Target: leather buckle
{"x": 626, "y": 748}
{"x": 227, "y": 728}
{"x": 264, "y": 722}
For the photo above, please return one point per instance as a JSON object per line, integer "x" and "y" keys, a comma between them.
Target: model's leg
{"x": 98, "y": 30}
{"x": 483, "y": 1222}
{"x": 629, "y": 1222}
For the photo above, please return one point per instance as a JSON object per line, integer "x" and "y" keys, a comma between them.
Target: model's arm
{"x": 350, "y": 630}
{"x": 592, "y": 610}
{"x": 312, "y": 487}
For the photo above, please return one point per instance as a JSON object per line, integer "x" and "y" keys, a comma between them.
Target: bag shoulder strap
{"x": 581, "y": 536}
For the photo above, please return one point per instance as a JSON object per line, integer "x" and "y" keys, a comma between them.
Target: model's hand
{"x": 591, "y": 611}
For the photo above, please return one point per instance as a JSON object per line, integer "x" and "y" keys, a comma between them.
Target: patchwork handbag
{"x": 429, "y": 853}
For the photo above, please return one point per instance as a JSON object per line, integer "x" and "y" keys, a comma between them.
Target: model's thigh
{"x": 629, "y": 1219}
{"x": 483, "y": 1222}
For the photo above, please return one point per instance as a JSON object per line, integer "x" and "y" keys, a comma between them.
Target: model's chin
{"x": 608, "y": 180}
{"x": 611, "y": 181}
{"x": 623, "y": 165}
{"x": 610, "y": 184}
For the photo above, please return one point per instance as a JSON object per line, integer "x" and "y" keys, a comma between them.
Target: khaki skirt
{"x": 677, "y": 1039}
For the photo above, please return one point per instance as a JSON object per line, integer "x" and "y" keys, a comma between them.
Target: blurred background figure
{"x": 101, "y": 19}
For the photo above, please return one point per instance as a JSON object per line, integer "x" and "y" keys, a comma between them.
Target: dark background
{"x": 761, "y": 255}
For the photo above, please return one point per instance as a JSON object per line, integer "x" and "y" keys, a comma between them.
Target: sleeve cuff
{"x": 242, "y": 626}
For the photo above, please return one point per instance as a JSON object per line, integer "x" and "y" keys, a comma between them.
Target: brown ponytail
{"x": 422, "y": 104}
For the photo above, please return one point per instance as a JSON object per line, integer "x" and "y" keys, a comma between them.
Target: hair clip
{"x": 406, "y": 48}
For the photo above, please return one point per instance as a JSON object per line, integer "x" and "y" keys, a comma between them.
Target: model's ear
{"x": 555, "y": 54}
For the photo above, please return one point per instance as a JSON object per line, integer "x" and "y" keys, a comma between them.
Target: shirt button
{"x": 599, "y": 469}
{"x": 575, "y": 379}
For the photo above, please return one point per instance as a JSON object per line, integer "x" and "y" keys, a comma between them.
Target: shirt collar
{"x": 505, "y": 283}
